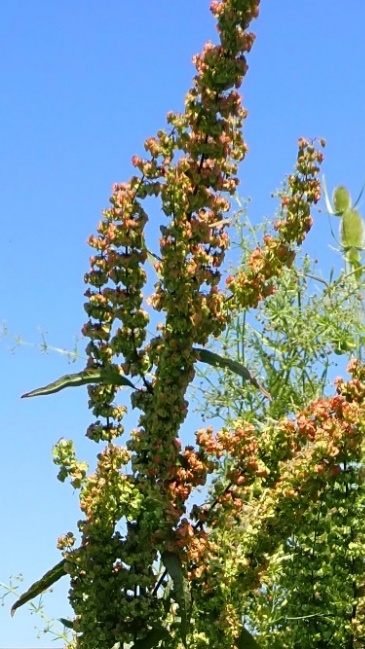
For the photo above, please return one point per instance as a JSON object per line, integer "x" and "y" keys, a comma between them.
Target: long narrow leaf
{"x": 40, "y": 586}
{"x": 211, "y": 358}
{"x": 66, "y": 623}
{"x": 359, "y": 196}
{"x": 221, "y": 222}
{"x": 181, "y": 592}
{"x": 99, "y": 375}
{"x": 246, "y": 640}
{"x": 153, "y": 259}
{"x": 152, "y": 639}
{"x": 326, "y": 197}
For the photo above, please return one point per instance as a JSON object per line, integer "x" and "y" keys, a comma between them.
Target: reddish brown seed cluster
{"x": 268, "y": 261}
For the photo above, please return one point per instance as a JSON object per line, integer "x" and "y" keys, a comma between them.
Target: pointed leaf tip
{"x": 66, "y": 623}
{"x": 89, "y": 376}
{"x": 152, "y": 639}
{"x": 211, "y": 358}
{"x": 181, "y": 591}
{"x": 246, "y": 640}
{"x": 48, "y": 579}
{"x": 326, "y": 197}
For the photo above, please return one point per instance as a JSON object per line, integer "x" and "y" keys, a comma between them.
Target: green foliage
{"x": 39, "y": 587}
{"x": 81, "y": 378}
{"x": 181, "y": 591}
{"x": 246, "y": 640}
{"x": 50, "y": 627}
{"x": 112, "y": 376}
{"x": 153, "y": 638}
{"x": 311, "y": 594}
{"x": 43, "y": 345}
{"x": 215, "y": 360}
{"x": 292, "y": 342}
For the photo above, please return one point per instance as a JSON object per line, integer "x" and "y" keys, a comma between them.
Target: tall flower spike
{"x": 193, "y": 170}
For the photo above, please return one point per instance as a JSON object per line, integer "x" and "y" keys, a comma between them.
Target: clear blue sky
{"x": 83, "y": 85}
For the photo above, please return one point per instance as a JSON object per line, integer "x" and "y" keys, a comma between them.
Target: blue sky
{"x": 83, "y": 85}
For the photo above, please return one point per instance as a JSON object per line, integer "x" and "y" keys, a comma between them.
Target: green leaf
{"x": 99, "y": 375}
{"x": 67, "y": 623}
{"x": 211, "y": 358}
{"x": 359, "y": 196}
{"x": 156, "y": 634}
{"x": 217, "y": 224}
{"x": 246, "y": 640}
{"x": 152, "y": 259}
{"x": 326, "y": 198}
{"x": 181, "y": 591}
{"x": 40, "y": 586}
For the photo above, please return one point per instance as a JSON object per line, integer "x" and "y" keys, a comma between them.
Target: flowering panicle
{"x": 191, "y": 169}
{"x": 116, "y": 279}
{"x": 276, "y": 478}
{"x": 134, "y": 505}
{"x": 268, "y": 261}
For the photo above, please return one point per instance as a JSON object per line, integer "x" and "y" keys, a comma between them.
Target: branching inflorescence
{"x": 192, "y": 169}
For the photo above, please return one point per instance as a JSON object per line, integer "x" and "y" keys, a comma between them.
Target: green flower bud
{"x": 341, "y": 200}
{"x": 352, "y": 230}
